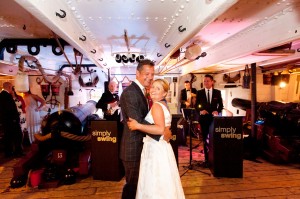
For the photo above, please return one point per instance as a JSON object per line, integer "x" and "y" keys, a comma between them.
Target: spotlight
{"x": 118, "y": 58}
{"x": 132, "y": 58}
{"x": 282, "y": 84}
{"x": 139, "y": 58}
{"x": 124, "y": 59}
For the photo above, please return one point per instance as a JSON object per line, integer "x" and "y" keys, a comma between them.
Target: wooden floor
{"x": 261, "y": 179}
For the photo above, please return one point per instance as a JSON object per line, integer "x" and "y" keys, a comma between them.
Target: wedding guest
{"x": 34, "y": 103}
{"x": 10, "y": 123}
{"x": 21, "y": 106}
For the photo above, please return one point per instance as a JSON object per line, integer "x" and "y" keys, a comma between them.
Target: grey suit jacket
{"x": 134, "y": 105}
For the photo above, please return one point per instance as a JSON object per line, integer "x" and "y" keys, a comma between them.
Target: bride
{"x": 158, "y": 176}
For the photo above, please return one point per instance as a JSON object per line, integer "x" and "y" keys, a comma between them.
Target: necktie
{"x": 145, "y": 92}
{"x": 208, "y": 97}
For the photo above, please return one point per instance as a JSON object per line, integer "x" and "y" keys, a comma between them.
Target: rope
{"x": 61, "y": 48}
{"x": 63, "y": 134}
{"x": 41, "y": 137}
{"x": 40, "y": 68}
{"x": 75, "y": 137}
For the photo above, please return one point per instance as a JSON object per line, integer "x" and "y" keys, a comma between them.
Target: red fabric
{"x": 22, "y": 102}
{"x": 150, "y": 102}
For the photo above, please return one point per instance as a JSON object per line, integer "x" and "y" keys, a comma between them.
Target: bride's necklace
{"x": 163, "y": 100}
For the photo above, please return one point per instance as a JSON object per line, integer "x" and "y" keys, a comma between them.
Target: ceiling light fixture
{"x": 118, "y": 58}
{"x": 124, "y": 59}
{"x": 139, "y": 58}
{"x": 132, "y": 58}
{"x": 282, "y": 84}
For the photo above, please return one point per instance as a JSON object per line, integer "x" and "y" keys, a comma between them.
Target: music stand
{"x": 189, "y": 114}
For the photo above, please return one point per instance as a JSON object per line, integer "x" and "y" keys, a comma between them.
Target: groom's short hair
{"x": 144, "y": 62}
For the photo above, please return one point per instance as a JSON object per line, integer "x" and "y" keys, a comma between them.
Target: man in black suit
{"x": 209, "y": 103}
{"x": 10, "y": 123}
{"x": 186, "y": 101}
{"x": 186, "y": 95}
{"x": 134, "y": 104}
{"x": 109, "y": 103}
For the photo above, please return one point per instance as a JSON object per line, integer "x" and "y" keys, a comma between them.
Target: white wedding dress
{"x": 159, "y": 177}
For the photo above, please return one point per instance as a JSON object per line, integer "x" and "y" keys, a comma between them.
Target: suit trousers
{"x": 132, "y": 169}
{"x": 12, "y": 138}
{"x": 205, "y": 121}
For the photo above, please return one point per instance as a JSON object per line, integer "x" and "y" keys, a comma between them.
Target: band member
{"x": 187, "y": 100}
{"x": 208, "y": 104}
{"x": 109, "y": 103}
{"x": 186, "y": 96}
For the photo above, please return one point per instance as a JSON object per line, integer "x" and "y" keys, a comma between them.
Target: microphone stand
{"x": 193, "y": 130}
{"x": 191, "y": 166}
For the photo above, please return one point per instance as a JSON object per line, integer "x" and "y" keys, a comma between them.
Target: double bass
{"x": 193, "y": 96}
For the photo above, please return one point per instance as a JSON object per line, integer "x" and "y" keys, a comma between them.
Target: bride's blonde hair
{"x": 164, "y": 83}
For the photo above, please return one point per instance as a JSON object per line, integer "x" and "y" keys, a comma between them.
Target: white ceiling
{"x": 231, "y": 32}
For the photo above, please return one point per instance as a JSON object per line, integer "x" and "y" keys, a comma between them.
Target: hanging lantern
{"x": 55, "y": 89}
{"x": 45, "y": 88}
{"x": 22, "y": 82}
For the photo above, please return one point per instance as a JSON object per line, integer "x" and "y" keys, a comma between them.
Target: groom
{"x": 134, "y": 105}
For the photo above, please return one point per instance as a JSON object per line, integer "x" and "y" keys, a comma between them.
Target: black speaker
{"x": 174, "y": 141}
{"x": 226, "y": 147}
{"x": 106, "y": 164}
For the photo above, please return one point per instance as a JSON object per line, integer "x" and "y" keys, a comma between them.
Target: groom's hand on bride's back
{"x": 167, "y": 134}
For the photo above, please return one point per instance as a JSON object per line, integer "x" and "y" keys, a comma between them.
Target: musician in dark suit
{"x": 209, "y": 103}
{"x": 186, "y": 95}
{"x": 109, "y": 103}
{"x": 186, "y": 101}
{"x": 134, "y": 104}
{"x": 10, "y": 123}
